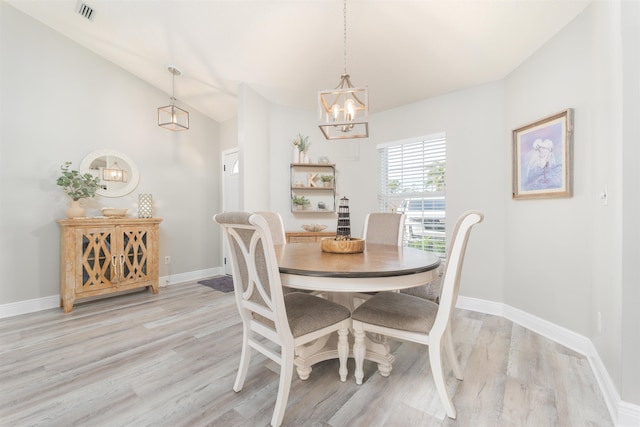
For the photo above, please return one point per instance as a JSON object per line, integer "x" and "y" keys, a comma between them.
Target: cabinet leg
{"x": 66, "y": 304}
{"x": 154, "y": 288}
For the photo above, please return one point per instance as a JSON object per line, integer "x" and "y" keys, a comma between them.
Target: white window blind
{"x": 412, "y": 181}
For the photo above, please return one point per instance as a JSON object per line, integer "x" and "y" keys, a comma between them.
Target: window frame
{"x": 425, "y": 228}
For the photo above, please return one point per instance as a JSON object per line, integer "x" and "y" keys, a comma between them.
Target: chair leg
{"x": 451, "y": 353}
{"x": 245, "y": 358}
{"x": 435, "y": 359}
{"x": 343, "y": 352}
{"x": 359, "y": 351}
{"x": 286, "y": 374}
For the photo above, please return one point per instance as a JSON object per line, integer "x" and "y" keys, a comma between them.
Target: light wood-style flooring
{"x": 170, "y": 360}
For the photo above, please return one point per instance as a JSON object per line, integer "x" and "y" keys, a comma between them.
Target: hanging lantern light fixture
{"x": 344, "y": 111}
{"x": 172, "y": 117}
{"x": 115, "y": 173}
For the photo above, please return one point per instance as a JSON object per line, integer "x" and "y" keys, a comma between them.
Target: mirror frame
{"x": 128, "y": 163}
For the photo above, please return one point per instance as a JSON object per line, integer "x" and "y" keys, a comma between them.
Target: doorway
{"x": 230, "y": 193}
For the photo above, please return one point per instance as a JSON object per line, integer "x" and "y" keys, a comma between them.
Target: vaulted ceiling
{"x": 287, "y": 50}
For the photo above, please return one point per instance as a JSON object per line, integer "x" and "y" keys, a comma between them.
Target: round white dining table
{"x": 378, "y": 268}
{"x": 342, "y": 277}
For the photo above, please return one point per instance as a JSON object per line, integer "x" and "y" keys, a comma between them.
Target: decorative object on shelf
{"x": 311, "y": 179}
{"x": 172, "y": 117}
{"x": 301, "y": 146}
{"x": 344, "y": 221}
{"x": 313, "y": 227}
{"x": 323, "y": 160}
{"x": 145, "y": 206}
{"x": 326, "y": 180}
{"x": 322, "y": 205}
{"x": 344, "y": 110}
{"x": 75, "y": 210}
{"x": 114, "y": 212}
{"x": 77, "y": 186}
{"x": 300, "y": 202}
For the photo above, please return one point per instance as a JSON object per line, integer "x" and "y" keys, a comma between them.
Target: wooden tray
{"x": 353, "y": 246}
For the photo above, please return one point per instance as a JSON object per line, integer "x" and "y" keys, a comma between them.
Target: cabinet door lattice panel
{"x": 104, "y": 255}
{"x": 135, "y": 255}
{"x": 97, "y": 268}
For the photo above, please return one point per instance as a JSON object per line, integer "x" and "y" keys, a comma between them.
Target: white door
{"x": 230, "y": 192}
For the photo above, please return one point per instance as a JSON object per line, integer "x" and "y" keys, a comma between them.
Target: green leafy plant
{"x": 326, "y": 178}
{"x": 300, "y": 200}
{"x": 302, "y": 143}
{"x": 76, "y": 185}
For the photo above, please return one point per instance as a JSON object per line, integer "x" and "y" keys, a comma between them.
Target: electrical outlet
{"x": 167, "y": 260}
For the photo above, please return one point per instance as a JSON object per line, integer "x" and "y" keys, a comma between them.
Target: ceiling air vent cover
{"x": 85, "y": 10}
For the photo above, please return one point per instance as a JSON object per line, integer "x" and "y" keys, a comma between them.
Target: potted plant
{"x": 300, "y": 202}
{"x": 326, "y": 180}
{"x": 77, "y": 186}
{"x": 301, "y": 145}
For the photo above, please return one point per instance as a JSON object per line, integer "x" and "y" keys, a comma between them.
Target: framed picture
{"x": 542, "y": 158}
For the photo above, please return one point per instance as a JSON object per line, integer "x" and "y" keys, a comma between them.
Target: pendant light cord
{"x": 344, "y": 16}
{"x": 173, "y": 87}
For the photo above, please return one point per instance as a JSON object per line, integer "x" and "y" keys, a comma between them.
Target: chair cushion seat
{"x": 397, "y": 311}
{"x": 308, "y": 313}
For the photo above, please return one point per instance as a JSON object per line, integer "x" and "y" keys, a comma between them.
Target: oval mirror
{"x": 117, "y": 172}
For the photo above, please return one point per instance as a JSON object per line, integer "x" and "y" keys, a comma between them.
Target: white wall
{"x": 60, "y": 102}
{"x": 566, "y": 261}
{"x": 253, "y": 149}
{"x": 550, "y": 242}
{"x": 630, "y": 33}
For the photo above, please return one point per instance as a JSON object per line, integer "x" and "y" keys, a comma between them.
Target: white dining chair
{"x": 289, "y": 321}
{"x": 276, "y": 226}
{"x": 409, "y": 318}
{"x": 384, "y": 228}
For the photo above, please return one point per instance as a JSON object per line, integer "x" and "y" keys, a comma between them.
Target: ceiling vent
{"x": 85, "y": 10}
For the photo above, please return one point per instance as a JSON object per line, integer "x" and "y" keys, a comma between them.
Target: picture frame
{"x": 542, "y": 158}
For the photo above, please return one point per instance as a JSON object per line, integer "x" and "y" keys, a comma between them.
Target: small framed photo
{"x": 542, "y": 154}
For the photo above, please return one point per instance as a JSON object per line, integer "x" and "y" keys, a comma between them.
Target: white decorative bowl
{"x": 114, "y": 212}
{"x": 314, "y": 227}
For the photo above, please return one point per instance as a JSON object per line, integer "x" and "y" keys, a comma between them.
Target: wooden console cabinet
{"x": 100, "y": 256}
{"x": 307, "y": 236}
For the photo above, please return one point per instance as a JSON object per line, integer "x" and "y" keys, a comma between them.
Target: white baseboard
{"x": 29, "y": 306}
{"x": 53, "y": 301}
{"x": 622, "y": 413}
{"x": 190, "y": 276}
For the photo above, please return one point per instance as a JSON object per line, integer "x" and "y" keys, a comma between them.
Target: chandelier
{"x": 172, "y": 117}
{"x": 344, "y": 111}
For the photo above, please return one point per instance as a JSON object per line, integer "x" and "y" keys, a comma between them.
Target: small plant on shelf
{"x": 302, "y": 143}
{"x": 300, "y": 201}
{"x": 326, "y": 180}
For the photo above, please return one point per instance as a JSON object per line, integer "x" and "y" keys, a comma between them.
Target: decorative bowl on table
{"x": 352, "y": 246}
{"x": 314, "y": 227}
{"x": 114, "y": 212}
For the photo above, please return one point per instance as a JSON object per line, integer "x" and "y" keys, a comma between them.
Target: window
{"x": 412, "y": 181}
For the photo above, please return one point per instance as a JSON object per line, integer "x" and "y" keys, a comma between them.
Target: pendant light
{"x": 172, "y": 117}
{"x": 344, "y": 111}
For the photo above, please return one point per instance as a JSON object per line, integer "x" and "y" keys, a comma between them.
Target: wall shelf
{"x": 305, "y": 182}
